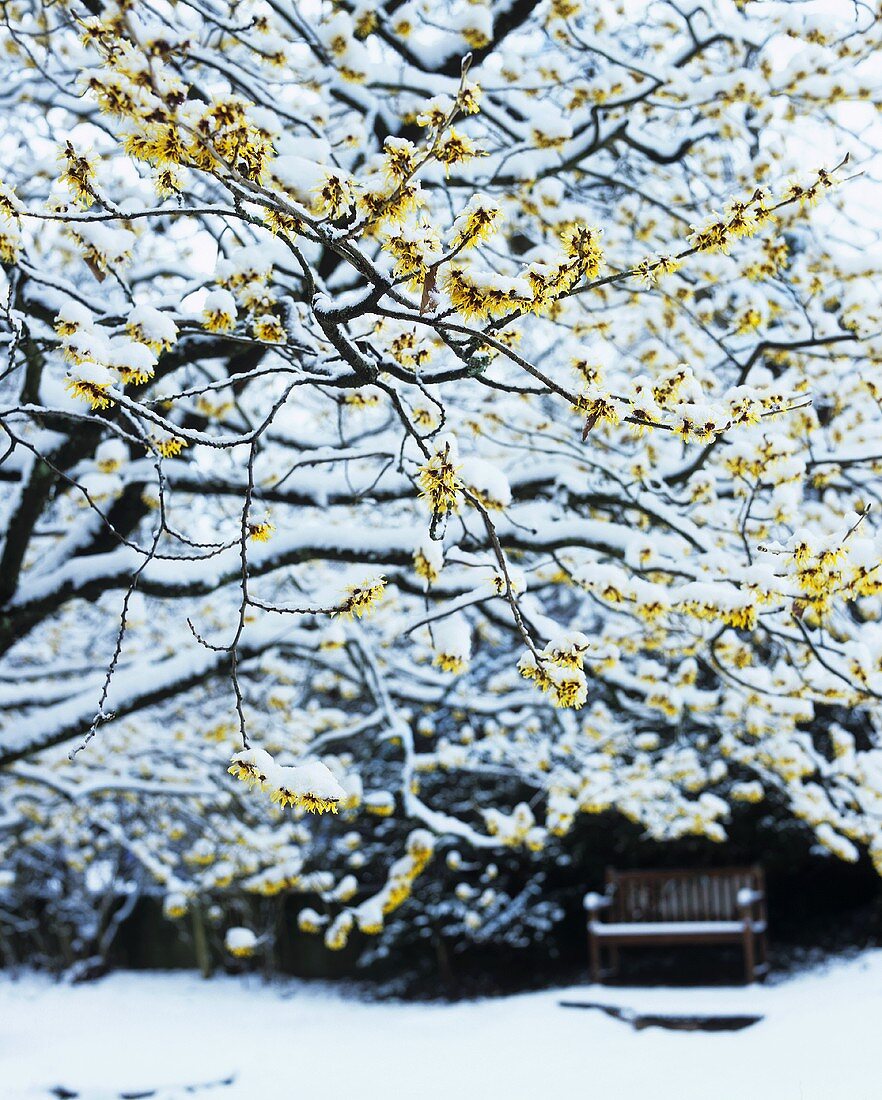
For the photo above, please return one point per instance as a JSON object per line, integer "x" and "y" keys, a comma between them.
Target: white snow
{"x": 130, "y": 355}
{"x": 131, "y": 1032}
{"x": 220, "y": 301}
{"x": 89, "y": 371}
{"x": 153, "y": 323}
{"x": 108, "y": 241}
{"x": 241, "y": 940}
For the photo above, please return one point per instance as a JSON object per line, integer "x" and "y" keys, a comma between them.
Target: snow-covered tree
{"x": 459, "y": 414}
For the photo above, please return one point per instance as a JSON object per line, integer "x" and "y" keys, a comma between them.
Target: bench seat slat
{"x": 674, "y": 928}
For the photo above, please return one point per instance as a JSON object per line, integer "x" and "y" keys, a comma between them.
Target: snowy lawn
{"x": 132, "y": 1033}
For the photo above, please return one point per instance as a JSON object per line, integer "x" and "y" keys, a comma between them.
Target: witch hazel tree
{"x": 405, "y": 401}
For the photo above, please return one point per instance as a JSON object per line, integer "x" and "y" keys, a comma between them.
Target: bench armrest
{"x": 593, "y": 903}
{"x": 747, "y": 897}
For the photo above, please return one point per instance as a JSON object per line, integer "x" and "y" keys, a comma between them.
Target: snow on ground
{"x": 131, "y": 1033}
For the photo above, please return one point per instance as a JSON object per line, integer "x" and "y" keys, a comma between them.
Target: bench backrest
{"x": 705, "y": 895}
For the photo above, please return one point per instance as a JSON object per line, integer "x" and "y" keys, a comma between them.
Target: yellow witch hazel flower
{"x": 334, "y": 195}
{"x": 551, "y": 132}
{"x": 568, "y": 650}
{"x": 654, "y": 268}
{"x": 110, "y": 456}
{"x": 436, "y": 112}
{"x": 550, "y": 279}
{"x": 103, "y": 247}
{"x": 486, "y": 482}
{"x": 600, "y": 407}
{"x": 10, "y": 238}
{"x": 386, "y": 200}
{"x": 268, "y": 329}
{"x": 308, "y": 920}
{"x": 560, "y": 675}
{"x": 337, "y": 935}
{"x": 91, "y": 382}
{"x": 333, "y": 637}
{"x": 78, "y": 174}
{"x": 439, "y": 482}
{"x": 582, "y": 243}
{"x": 468, "y": 98}
{"x": 420, "y": 848}
{"x": 73, "y": 318}
{"x": 415, "y": 248}
{"x": 175, "y": 906}
{"x": 440, "y": 109}
{"x": 399, "y": 158}
{"x": 484, "y": 293}
{"x": 219, "y": 311}
{"x": 478, "y": 222}
{"x": 712, "y": 236}
{"x": 455, "y": 148}
{"x": 568, "y": 687}
{"x": 240, "y": 942}
{"x": 133, "y": 361}
{"x": 742, "y": 218}
{"x": 698, "y": 423}
{"x": 532, "y": 669}
{"x": 380, "y": 803}
{"x": 10, "y": 204}
{"x": 453, "y": 644}
{"x": 252, "y": 767}
{"x": 369, "y": 916}
{"x": 362, "y": 598}
{"x": 428, "y": 560}
{"x": 514, "y": 829}
{"x": 152, "y": 327}
{"x": 168, "y": 445}
{"x": 719, "y": 603}
{"x": 261, "y": 530}
{"x": 311, "y": 786}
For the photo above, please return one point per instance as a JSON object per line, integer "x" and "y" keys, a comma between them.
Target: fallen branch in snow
{"x": 679, "y": 1022}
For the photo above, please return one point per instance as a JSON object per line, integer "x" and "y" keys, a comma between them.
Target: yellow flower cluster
{"x": 78, "y": 175}
{"x": 415, "y": 248}
{"x": 560, "y": 676}
{"x": 361, "y": 599}
{"x": 477, "y": 222}
{"x": 426, "y": 565}
{"x": 451, "y": 662}
{"x": 369, "y": 916}
{"x": 310, "y": 787}
{"x": 481, "y": 294}
{"x": 484, "y": 294}
{"x": 169, "y": 446}
{"x": 516, "y": 829}
{"x": 440, "y": 485}
{"x": 260, "y": 531}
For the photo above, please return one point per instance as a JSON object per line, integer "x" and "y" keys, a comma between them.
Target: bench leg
{"x": 764, "y": 954}
{"x": 749, "y": 956}
{"x": 596, "y": 958}
{"x": 613, "y": 959}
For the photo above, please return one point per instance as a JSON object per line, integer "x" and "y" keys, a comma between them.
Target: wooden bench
{"x": 722, "y": 905}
